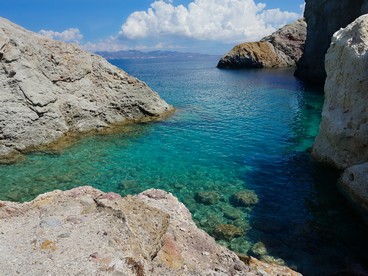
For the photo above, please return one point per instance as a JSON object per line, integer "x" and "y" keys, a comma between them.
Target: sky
{"x": 201, "y": 26}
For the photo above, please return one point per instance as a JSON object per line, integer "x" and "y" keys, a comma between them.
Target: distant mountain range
{"x": 133, "y": 54}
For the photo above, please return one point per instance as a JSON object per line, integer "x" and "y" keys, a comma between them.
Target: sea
{"x": 233, "y": 130}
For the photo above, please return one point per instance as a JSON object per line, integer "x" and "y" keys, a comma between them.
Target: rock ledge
{"x": 84, "y": 231}
{"x": 50, "y": 89}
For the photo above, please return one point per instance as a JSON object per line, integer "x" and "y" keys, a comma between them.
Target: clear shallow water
{"x": 233, "y": 130}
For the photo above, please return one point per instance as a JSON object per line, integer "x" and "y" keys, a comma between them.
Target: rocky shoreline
{"x": 52, "y": 90}
{"x": 87, "y": 232}
{"x": 283, "y": 48}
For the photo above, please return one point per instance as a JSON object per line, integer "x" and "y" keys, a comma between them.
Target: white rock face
{"x": 50, "y": 88}
{"x": 343, "y": 137}
{"x": 87, "y": 232}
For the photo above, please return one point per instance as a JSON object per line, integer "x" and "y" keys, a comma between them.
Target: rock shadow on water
{"x": 301, "y": 218}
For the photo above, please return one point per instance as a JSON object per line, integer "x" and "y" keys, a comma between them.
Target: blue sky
{"x": 207, "y": 26}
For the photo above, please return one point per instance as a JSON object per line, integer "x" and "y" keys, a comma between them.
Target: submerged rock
{"x": 232, "y": 213}
{"x": 244, "y": 198}
{"x": 50, "y": 88}
{"x": 84, "y": 231}
{"x": 207, "y": 198}
{"x": 227, "y": 232}
{"x": 324, "y": 18}
{"x": 283, "y": 48}
{"x": 342, "y": 140}
{"x": 258, "y": 250}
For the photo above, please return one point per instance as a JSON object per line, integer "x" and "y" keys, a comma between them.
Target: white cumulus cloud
{"x": 217, "y": 20}
{"x": 69, "y": 35}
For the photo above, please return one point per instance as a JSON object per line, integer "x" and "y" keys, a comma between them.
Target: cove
{"x": 233, "y": 130}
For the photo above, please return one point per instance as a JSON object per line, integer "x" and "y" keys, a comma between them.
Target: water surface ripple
{"x": 233, "y": 130}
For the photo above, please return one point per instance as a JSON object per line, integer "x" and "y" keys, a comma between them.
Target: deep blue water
{"x": 233, "y": 130}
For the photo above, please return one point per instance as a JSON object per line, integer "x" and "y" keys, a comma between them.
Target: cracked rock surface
{"x": 84, "y": 231}
{"x": 49, "y": 88}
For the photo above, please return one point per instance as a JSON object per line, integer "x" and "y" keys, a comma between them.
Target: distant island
{"x": 134, "y": 54}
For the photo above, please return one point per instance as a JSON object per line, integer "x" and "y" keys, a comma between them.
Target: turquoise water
{"x": 233, "y": 130}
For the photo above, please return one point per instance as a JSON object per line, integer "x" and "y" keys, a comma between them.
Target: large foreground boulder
{"x": 87, "y": 232}
{"x": 324, "y": 18}
{"x": 283, "y": 48}
{"x": 342, "y": 141}
{"x": 50, "y": 88}
{"x": 343, "y": 136}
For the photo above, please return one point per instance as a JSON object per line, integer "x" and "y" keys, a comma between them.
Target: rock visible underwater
{"x": 50, "y": 88}
{"x": 84, "y": 231}
{"x": 283, "y": 48}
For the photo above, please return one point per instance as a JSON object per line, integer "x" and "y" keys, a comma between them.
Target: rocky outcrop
{"x": 50, "y": 88}
{"x": 324, "y": 18}
{"x": 87, "y": 232}
{"x": 283, "y": 48}
{"x": 343, "y": 136}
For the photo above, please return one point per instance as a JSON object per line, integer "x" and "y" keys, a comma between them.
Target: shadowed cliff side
{"x": 323, "y": 19}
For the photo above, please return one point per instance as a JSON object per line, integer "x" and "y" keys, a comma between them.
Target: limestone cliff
{"x": 343, "y": 136}
{"x": 50, "y": 88}
{"x": 324, "y": 18}
{"x": 283, "y": 48}
{"x": 87, "y": 232}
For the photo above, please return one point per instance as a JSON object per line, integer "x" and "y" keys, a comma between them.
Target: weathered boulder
{"x": 354, "y": 185}
{"x": 283, "y": 48}
{"x": 84, "y": 231}
{"x": 343, "y": 136}
{"x": 324, "y": 18}
{"x": 50, "y": 88}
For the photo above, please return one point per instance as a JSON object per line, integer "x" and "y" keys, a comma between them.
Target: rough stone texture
{"x": 324, "y": 18}
{"x": 283, "y": 48}
{"x": 343, "y": 136}
{"x": 245, "y": 198}
{"x": 354, "y": 185}
{"x": 263, "y": 268}
{"x": 84, "y": 231}
{"x": 50, "y": 88}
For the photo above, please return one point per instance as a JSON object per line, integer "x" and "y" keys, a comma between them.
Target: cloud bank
{"x": 70, "y": 35}
{"x": 204, "y": 26}
{"x": 216, "y": 20}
